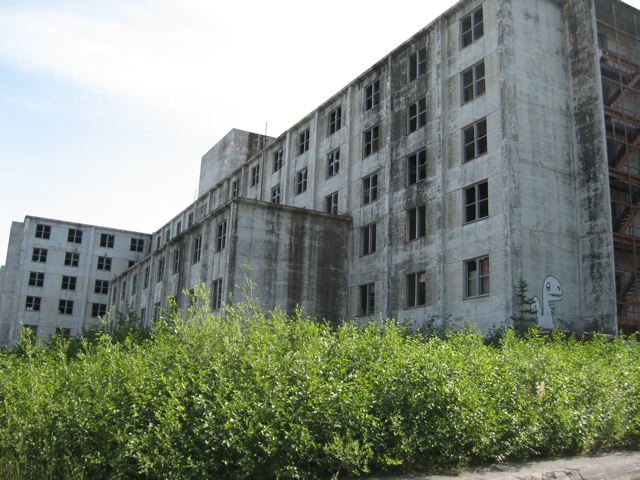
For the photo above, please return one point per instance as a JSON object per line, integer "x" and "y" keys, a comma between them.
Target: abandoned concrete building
{"x": 499, "y": 143}
{"x": 57, "y": 274}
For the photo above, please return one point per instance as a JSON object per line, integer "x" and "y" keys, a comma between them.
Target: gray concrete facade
{"x": 471, "y": 156}
{"x": 475, "y": 154}
{"x": 57, "y": 274}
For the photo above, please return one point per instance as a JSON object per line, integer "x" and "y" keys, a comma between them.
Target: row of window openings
{"x": 178, "y": 255}
{"x": 476, "y": 284}
{"x": 107, "y": 240}
{"x": 416, "y": 228}
{"x": 216, "y": 300}
{"x": 475, "y": 145}
{"x": 36, "y": 279}
{"x": 473, "y": 85}
{"x": 72, "y": 259}
{"x": 474, "y": 139}
{"x": 476, "y": 198}
{"x": 202, "y": 210}
{"x": 65, "y": 307}
{"x": 416, "y": 294}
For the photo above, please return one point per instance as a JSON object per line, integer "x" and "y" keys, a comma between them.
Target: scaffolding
{"x": 620, "y": 72}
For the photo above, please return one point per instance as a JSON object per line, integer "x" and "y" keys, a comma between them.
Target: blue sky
{"x": 107, "y": 106}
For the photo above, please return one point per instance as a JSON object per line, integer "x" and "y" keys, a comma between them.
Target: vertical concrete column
{"x": 510, "y": 158}
{"x": 593, "y": 215}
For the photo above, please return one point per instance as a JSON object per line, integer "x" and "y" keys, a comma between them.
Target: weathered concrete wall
{"x": 10, "y": 282}
{"x": 545, "y": 157}
{"x": 20, "y": 265}
{"x": 230, "y": 153}
{"x": 544, "y": 166}
{"x": 594, "y": 230}
{"x": 294, "y": 257}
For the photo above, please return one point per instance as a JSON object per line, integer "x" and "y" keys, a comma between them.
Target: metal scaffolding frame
{"x": 620, "y": 73}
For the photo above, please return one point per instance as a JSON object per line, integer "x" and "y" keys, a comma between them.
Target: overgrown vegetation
{"x": 250, "y": 395}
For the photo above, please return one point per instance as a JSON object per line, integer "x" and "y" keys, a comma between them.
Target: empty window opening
{"x": 371, "y": 95}
{"x": 370, "y": 188}
{"x": 475, "y": 140}
{"x": 301, "y": 181}
{"x": 331, "y": 203}
{"x": 417, "y": 167}
{"x": 471, "y": 27}
{"x": 477, "y": 277}
{"x": 370, "y": 141}
{"x": 416, "y": 222}
{"x": 368, "y": 239}
{"x": 416, "y": 289}
{"x": 367, "y": 299}
{"x": 476, "y": 202}
{"x": 335, "y": 120}
{"x": 473, "y": 83}
{"x": 417, "y": 115}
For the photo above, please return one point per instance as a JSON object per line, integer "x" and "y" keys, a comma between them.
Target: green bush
{"x": 250, "y": 395}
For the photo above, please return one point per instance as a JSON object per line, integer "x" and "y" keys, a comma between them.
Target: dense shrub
{"x": 250, "y": 395}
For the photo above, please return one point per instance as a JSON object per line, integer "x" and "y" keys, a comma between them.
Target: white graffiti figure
{"x": 545, "y": 311}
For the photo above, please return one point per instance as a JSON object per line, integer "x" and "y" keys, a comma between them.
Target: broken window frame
{"x": 371, "y": 95}
{"x": 417, "y": 167}
{"x": 472, "y": 81}
{"x": 416, "y": 289}
{"x": 474, "y": 140}
{"x": 368, "y": 239}
{"x": 417, "y": 64}
{"x": 221, "y": 235}
{"x": 471, "y": 27}
{"x": 331, "y": 203}
{"x": 33, "y": 303}
{"x": 416, "y": 222}
{"x": 301, "y": 181}
{"x": 333, "y": 162}
{"x": 416, "y": 115}
{"x": 366, "y": 299}
{"x": 196, "y": 252}
{"x": 370, "y": 188}
{"x": 160, "y": 270}
{"x": 216, "y": 294}
{"x": 334, "y": 120}
{"x": 276, "y": 194}
{"x": 370, "y": 141}
{"x": 476, "y": 202}
{"x": 255, "y": 175}
{"x": 278, "y": 159}
{"x": 477, "y": 277}
{"x": 303, "y": 141}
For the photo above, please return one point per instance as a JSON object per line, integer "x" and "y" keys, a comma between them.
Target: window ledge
{"x": 484, "y": 295}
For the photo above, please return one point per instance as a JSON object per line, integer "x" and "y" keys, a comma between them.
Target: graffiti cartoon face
{"x": 552, "y": 290}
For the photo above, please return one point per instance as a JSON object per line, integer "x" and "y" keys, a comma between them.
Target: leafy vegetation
{"x": 254, "y": 395}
